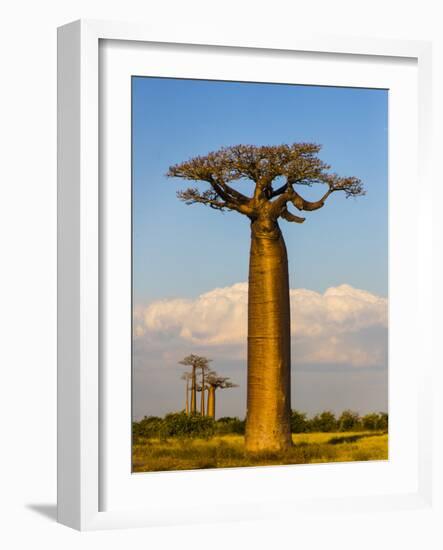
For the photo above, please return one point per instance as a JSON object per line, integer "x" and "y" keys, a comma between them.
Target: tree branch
{"x": 309, "y": 206}
{"x": 285, "y": 214}
{"x": 227, "y": 192}
{"x": 352, "y": 187}
{"x": 192, "y": 196}
{"x": 279, "y": 191}
{"x": 298, "y": 163}
{"x": 211, "y": 198}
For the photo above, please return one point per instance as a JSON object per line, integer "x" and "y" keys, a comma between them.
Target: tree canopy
{"x": 197, "y": 361}
{"x": 219, "y": 382}
{"x": 277, "y": 171}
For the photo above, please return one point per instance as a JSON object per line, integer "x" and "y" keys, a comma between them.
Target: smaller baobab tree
{"x": 204, "y": 371}
{"x": 202, "y": 390}
{"x": 215, "y": 382}
{"x": 187, "y": 377}
{"x": 196, "y": 362}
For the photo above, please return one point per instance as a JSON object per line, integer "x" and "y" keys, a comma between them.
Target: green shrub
{"x": 375, "y": 421}
{"x": 183, "y": 425}
{"x": 173, "y": 425}
{"x": 191, "y": 426}
{"x": 299, "y": 422}
{"x": 230, "y": 425}
{"x": 149, "y": 426}
{"x": 383, "y": 421}
{"x": 323, "y": 422}
{"x": 349, "y": 421}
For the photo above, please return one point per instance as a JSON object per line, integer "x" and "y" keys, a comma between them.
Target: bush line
{"x": 192, "y": 426}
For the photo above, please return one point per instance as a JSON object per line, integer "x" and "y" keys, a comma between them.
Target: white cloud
{"x": 344, "y": 325}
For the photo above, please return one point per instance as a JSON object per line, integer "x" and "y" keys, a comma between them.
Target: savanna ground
{"x": 227, "y": 451}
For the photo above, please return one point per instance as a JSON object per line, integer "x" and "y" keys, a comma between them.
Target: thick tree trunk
{"x": 211, "y": 402}
{"x": 193, "y": 392}
{"x": 269, "y": 346}
{"x": 187, "y": 396}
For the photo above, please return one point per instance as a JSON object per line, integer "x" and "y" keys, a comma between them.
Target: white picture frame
{"x": 80, "y": 265}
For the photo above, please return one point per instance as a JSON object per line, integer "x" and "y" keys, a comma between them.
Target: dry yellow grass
{"x": 227, "y": 451}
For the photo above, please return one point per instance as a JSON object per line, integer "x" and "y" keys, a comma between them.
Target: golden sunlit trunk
{"x": 202, "y": 404}
{"x": 269, "y": 352}
{"x": 211, "y": 402}
{"x": 193, "y": 392}
{"x": 187, "y": 397}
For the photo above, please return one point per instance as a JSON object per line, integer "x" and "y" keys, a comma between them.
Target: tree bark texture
{"x": 269, "y": 352}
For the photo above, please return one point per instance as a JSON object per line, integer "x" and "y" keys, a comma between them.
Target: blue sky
{"x": 182, "y": 252}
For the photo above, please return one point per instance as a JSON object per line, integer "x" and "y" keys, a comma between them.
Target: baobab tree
{"x": 203, "y": 390}
{"x": 202, "y": 386}
{"x": 187, "y": 377}
{"x": 214, "y": 383}
{"x": 277, "y": 174}
{"x": 204, "y": 369}
{"x": 196, "y": 362}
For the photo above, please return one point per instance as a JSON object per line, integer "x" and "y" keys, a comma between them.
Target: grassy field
{"x": 227, "y": 451}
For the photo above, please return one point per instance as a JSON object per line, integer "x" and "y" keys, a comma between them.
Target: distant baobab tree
{"x": 214, "y": 383}
{"x": 204, "y": 369}
{"x": 277, "y": 174}
{"x": 196, "y": 362}
{"x": 187, "y": 377}
{"x": 202, "y": 390}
